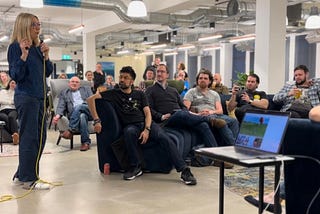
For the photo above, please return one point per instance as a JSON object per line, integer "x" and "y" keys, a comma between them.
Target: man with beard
{"x": 248, "y": 98}
{"x": 168, "y": 109}
{"x": 300, "y": 95}
{"x": 203, "y": 101}
{"x": 134, "y": 113}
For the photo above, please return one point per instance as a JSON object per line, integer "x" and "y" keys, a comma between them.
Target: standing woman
{"x": 8, "y": 112}
{"x": 29, "y": 65}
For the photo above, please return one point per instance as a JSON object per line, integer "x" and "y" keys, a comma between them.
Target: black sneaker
{"x": 132, "y": 173}
{"x": 187, "y": 177}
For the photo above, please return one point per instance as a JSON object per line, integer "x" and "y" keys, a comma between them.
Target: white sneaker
{"x": 17, "y": 182}
{"x": 36, "y": 186}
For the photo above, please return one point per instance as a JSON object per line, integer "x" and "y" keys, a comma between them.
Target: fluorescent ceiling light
{"x": 76, "y": 29}
{"x": 158, "y": 46}
{"x": 137, "y": 8}
{"x": 4, "y": 38}
{"x": 185, "y": 47}
{"x": 170, "y": 53}
{"x": 123, "y": 52}
{"x": 211, "y": 48}
{"x": 210, "y": 38}
{"x": 31, "y": 3}
{"x": 147, "y": 53}
{"x": 243, "y": 38}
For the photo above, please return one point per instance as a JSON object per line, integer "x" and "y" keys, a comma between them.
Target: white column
{"x": 198, "y": 63}
{"x": 213, "y": 59}
{"x": 247, "y": 62}
{"x": 89, "y": 52}
{"x": 317, "y": 71}
{"x": 270, "y": 44}
{"x": 292, "y": 50}
{"x": 226, "y": 61}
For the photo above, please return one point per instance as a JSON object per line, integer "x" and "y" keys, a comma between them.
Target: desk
{"x": 261, "y": 163}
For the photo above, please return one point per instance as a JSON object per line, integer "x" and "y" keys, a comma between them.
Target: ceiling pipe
{"x": 119, "y": 8}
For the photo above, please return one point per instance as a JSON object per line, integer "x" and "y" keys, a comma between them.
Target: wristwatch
{"x": 148, "y": 128}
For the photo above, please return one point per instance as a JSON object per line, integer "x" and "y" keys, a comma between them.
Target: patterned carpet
{"x": 245, "y": 181}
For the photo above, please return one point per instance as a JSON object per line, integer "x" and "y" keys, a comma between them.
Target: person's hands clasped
{"x": 165, "y": 116}
{"x": 144, "y": 136}
{"x": 55, "y": 119}
{"x": 245, "y": 97}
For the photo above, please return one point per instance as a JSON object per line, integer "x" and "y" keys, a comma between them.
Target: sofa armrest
{"x": 111, "y": 131}
{"x": 302, "y": 178}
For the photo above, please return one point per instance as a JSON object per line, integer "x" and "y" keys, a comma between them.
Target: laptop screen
{"x": 262, "y": 130}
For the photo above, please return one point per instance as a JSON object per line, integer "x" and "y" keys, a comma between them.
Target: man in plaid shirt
{"x": 300, "y": 95}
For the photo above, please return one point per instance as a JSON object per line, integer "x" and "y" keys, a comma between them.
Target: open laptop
{"x": 260, "y": 136}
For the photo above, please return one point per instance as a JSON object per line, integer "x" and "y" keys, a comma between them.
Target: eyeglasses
{"x": 35, "y": 24}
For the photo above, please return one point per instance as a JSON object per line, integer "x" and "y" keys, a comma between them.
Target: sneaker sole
{"x": 189, "y": 182}
{"x": 133, "y": 177}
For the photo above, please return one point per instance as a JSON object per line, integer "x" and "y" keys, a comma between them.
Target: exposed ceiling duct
{"x": 119, "y": 8}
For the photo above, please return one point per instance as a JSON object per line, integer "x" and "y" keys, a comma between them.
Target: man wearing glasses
{"x": 167, "y": 108}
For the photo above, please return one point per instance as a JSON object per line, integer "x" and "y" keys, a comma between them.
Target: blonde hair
{"x": 22, "y": 28}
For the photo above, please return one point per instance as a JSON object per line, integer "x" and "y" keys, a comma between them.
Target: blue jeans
{"x": 229, "y": 132}
{"x": 184, "y": 119}
{"x": 131, "y": 135}
{"x": 32, "y": 129}
{"x": 79, "y": 122}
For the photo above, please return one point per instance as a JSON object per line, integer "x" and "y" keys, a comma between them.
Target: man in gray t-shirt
{"x": 203, "y": 101}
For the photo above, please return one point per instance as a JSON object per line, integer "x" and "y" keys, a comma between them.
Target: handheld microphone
{"x": 41, "y": 37}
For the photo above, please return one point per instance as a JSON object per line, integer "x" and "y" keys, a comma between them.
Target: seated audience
{"x": 4, "y": 80}
{"x": 183, "y": 76}
{"x": 134, "y": 113}
{"x": 8, "y": 112}
{"x": 109, "y": 84}
{"x": 248, "y": 98}
{"x": 148, "y": 75}
{"x": 203, "y": 101}
{"x": 218, "y": 86}
{"x": 89, "y": 77}
{"x": 300, "y": 95}
{"x": 167, "y": 108}
{"x": 62, "y": 76}
{"x": 72, "y": 100}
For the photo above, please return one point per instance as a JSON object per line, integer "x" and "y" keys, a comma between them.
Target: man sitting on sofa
{"x": 167, "y": 108}
{"x": 203, "y": 101}
{"x": 72, "y": 100}
{"x": 134, "y": 113}
{"x": 300, "y": 95}
{"x": 248, "y": 98}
